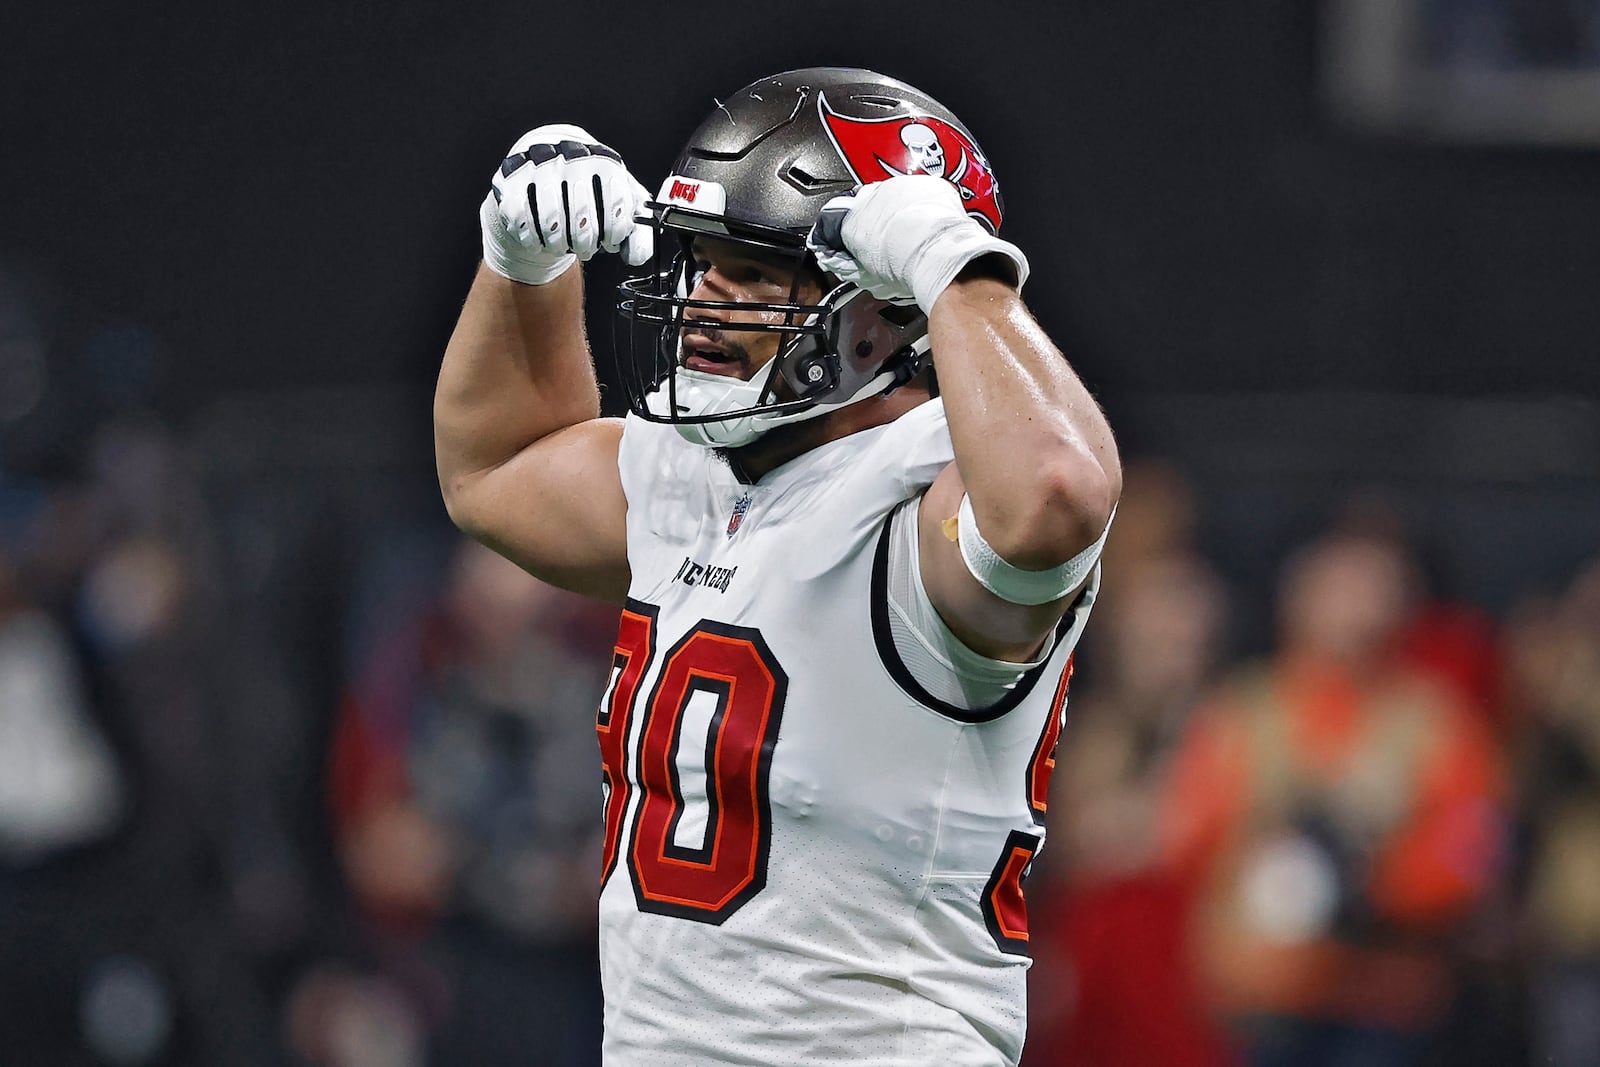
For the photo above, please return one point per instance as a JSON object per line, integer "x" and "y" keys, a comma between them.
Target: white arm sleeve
{"x": 1014, "y": 584}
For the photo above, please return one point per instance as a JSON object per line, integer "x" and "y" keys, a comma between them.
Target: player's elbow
{"x": 1069, "y": 507}
{"x": 462, "y": 501}
{"x": 1079, "y": 499}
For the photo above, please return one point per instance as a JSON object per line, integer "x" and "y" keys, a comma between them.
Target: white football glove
{"x": 904, "y": 240}
{"x": 559, "y": 197}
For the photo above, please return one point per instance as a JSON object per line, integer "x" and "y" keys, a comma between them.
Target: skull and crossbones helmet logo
{"x": 917, "y": 143}
{"x": 923, "y": 149}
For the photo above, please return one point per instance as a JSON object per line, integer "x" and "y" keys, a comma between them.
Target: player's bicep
{"x": 556, "y": 509}
{"x": 985, "y": 623}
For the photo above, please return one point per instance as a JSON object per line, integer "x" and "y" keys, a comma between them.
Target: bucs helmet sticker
{"x": 878, "y": 149}
{"x": 709, "y": 197}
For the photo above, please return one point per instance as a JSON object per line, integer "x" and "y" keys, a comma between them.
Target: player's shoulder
{"x": 653, "y": 450}
{"x": 640, "y": 433}
{"x": 926, "y": 418}
{"x": 919, "y": 444}
{"x": 912, "y": 449}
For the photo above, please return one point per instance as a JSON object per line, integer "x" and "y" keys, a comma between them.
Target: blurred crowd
{"x": 1368, "y": 837}
{"x": 1374, "y": 842}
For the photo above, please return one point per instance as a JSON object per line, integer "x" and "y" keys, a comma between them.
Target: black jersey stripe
{"x": 883, "y": 638}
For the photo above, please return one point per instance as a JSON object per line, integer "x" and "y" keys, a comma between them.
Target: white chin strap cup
{"x": 702, "y": 393}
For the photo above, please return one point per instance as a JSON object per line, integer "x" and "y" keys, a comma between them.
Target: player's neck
{"x": 750, "y": 463}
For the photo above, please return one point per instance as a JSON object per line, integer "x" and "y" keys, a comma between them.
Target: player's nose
{"x": 712, "y": 284}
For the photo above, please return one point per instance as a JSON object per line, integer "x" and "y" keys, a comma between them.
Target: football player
{"x": 850, "y": 586}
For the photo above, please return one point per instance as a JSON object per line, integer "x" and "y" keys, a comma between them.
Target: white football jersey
{"x": 809, "y": 859}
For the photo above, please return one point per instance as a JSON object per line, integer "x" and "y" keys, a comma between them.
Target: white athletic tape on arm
{"x": 1013, "y": 584}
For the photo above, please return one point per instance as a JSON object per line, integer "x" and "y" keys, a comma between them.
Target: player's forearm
{"x": 517, "y": 368}
{"x": 1033, "y": 447}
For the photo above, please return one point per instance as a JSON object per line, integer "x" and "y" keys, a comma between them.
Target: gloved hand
{"x": 559, "y": 197}
{"x": 904, "y": 240}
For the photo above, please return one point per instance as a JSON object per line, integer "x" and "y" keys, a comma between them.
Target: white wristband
{"x": 1013, "y": 584}
{"x": 933, "y": 271}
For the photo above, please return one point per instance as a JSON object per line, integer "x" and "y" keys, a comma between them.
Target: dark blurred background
{"x": 287, "y": 773}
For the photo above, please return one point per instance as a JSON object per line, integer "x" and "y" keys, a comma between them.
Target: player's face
{"x": 734, "y": 273}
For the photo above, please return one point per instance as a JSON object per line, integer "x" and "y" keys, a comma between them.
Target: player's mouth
{"x": 702, "y": 352}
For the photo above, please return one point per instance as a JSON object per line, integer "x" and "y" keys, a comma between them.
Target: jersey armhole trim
{"x": 883, "y": 638}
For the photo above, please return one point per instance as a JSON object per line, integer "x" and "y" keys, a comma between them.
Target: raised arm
{"x": 1035, "y": 459}
{"x": 1034, "y": 455}
{"x": 525, "y": 463}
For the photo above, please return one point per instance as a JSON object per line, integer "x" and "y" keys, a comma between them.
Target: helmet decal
{"x": 705, "y": 196}
{"x": 878, "y": 149}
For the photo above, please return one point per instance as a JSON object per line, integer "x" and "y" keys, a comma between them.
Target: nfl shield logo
{"x": 740, "y": 506}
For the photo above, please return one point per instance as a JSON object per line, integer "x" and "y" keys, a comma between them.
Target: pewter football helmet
{"x": 758, "y": 172}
